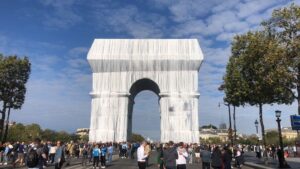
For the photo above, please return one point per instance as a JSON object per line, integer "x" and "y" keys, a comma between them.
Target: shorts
{"x": 20, "y": 155}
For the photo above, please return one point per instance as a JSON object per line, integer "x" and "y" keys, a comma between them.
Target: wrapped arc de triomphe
{"x": 124, "y": 67}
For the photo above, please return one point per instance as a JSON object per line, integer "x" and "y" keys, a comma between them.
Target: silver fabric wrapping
{"x": 117, "y": 64}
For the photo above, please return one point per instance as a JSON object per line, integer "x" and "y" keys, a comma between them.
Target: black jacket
{"x": 170, "y": 155}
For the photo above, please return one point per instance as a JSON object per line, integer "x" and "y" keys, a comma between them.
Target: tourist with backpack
{"x": 59, "y": 156}
{"x": 96, "y": 154}
{"x": 36, "y": 156}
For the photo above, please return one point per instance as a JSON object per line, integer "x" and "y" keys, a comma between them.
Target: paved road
{"x": 132, "y": 164}
{"x": 293, "y": 162}
{"x": 123, "y": 164}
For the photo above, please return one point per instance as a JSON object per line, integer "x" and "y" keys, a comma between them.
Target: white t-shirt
{"x": 53, "y": 150}
{"x": 141, "y": 157}
{"x": 182, "y": 155}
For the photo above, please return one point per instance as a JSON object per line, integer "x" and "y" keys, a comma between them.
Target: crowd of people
{"x": 176, "y": 156}
{"x": 39, "y": 154}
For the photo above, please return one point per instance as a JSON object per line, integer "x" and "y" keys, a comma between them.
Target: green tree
{"x": 272, "y": 137}
{"x": 249, "y": 140}
{"x": 214, "y": 140}
{"x": 63, "y": 136}
{"x": 209, "y": 126}
{"x": 14, "y": 74}
{"x": 233, "y": 88}
{"x": 49, "y": 135}
{"x": 28, "y": 133}
{"x": 33, "y": 131}
{"x": 258, "y": 80}
{"x": 85, "y": 138}
{"x": 16, "y": 133}
{"x": 285, "y": 25}
{"x": 137, "y": 138}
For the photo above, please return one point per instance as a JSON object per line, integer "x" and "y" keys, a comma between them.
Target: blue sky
{"x": 56, "y": 36}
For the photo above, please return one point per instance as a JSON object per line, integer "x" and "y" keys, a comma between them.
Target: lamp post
{"x": 230, "y": 126}
{"x": 282, "y": 162}
{"x": 256, "y": 126}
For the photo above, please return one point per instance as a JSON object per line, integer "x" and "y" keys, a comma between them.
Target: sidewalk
{"x": 251, "y": 160}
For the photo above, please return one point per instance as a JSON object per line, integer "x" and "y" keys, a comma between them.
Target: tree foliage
{"x": 252, "y": 77}
{"x": 209, "y": 126}
{"x": 14, "y": 74}
{"x": 137, "y": 138}
{"x": 28, "y": 133}
{"x": 212, "y": 140}
{"x": 265, "y": 65}
{"x": 285, "y": 26}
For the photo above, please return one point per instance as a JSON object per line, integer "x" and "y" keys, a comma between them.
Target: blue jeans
{"x": 110, "y": 157}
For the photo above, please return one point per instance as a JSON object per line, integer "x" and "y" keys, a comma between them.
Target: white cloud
{"x": 183, "y": 10}
{"x": 225, "y": 5}
{"x": 62, "y": 14}
{"x": 190, "y": 28}
{"x": 130, "y": 20}
{"x": 252, "y": 7}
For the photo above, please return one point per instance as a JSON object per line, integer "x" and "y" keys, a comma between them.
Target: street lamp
{"x": 282, "y": 162}
{"x": 256, "y": 126}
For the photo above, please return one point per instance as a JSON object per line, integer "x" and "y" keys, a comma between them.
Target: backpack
{"x": 32, "y": 158}
{"x": 85, "y": 151}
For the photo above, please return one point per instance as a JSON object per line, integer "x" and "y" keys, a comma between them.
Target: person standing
{"x": 258, "y": 151}
{"x": 124, "y": 150}
{"x": 147, "y": 153}
{"x": 239, "y": 158}
{"x": 96, "y": 153}
{"x": 141, "y": 156}
{"x": 36, "y": 155}
{"x": 91, "y": 147}
{"x": 59, "y": 155}
{"x": 295, "y": 151}
{"x": 197, "y": 154}
{"x": 182, "y": 156}
{"x": 84, "y": 153}
{"x": 103, "y": 155}
{"x": 206, "y": 158}
{"x": 160, "y": 156}
{"x": 20, "y": 155}
{"x": 170, "y": 156}
{"x": 227, "y": 157}
{"x": 110, "y": 151}
{"x": 216, "y": 158}
{"x": 52, "y": 152}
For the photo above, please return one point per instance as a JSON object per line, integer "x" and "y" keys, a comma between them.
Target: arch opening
{"x": 143, "y": 84}
{"x": 137, "y": 88}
